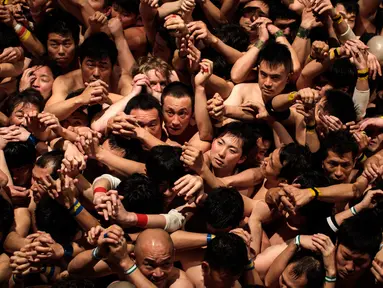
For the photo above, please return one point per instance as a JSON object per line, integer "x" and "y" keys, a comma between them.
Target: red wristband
{"x": 99, "y": 190}
{"x": 142, "y": 220}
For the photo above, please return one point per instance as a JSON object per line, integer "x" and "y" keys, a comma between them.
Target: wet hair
{"x": 28, "y": 96}
{"x": 147, "y": 63}
{"x": 223, "y": 208}
{"x": 178, "y": 90}
{"x": 360, "y": 233}
{"x": 280, "y": 11}
{"x": 144, "y": 101}
{"x": 51, "y": 159}
{"x": 127, "y": 6}
{"x": 295, "y": 160}
{"x": 351, "y": 6}
{"x": 343, "y": 74}
{"x": 227, "y": 253}
{"x": 241, "y": 131}
{"x": 141, "y": 195}
{"x": 340, "y": 142}
{"x": 340, "y": 105}
{"x": 6, "y": 217}
{"x": 8, "y": 37}
{"x": 62, "y": 23}
{"x": 311, "y": 266}
{"x": 97, "y": 47}
{"x": 275, "y": 54}
{"x": 163, "y": 164}
{"x": 19, "y": 154}
{"x": 55, "y": 219}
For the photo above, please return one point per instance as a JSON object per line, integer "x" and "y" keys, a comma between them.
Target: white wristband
{"x": 174, "y": 220}
{"x": 17, "y": 27}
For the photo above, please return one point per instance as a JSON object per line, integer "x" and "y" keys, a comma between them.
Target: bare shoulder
{"x": 179, "y": 279}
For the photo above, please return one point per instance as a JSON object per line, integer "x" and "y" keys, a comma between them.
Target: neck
{"x": 223, "y": 172}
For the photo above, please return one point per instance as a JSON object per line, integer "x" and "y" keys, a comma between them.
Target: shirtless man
{"x": 98, "y": 54}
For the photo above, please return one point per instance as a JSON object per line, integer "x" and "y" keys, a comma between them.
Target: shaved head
{"x": 152, "y": 239}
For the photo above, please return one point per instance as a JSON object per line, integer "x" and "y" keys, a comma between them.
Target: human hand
{"x": 371, "y": 123}
{"x": 97, "y": 21}
{"x": 362, "y": 139}
{"x": 331, "y": 122}
{"x": 300, "y": 197}
{"x": 187, "y": 6}
{"x": 27, "y": 78}
{"x": 93, "y": 234}
{"x": 115, "y": 27}
{"x": 255, "y": 108}
{"x": 6, "y": 16}
{"x": 324, "y": 244}
{"x": 95, "y": 93}
{"x": 176, "y": 25}
{"x": 377, "y": 266}
{"x": 199, "y": 31}
{"x": 309, "y": 21}
{"x": 319, "y": 50}
{"x": 192, "y": 157}
{"x": 107, "y": 205}
{"x": 51, "y": 122}
{"x": 261, "y": 25}
{"x": 370, "y": 199}
{"x": 12, "y": 55}
{"x": 190, "y": 186}
{"x": 246, "y": 237}
{"x": 216, "y": 107}
{"x": 194, "y": 56}
{"x": 140, "y": 81}
{"x": 324, "y": 7}
{"x": 205, "y": 72}
{"x": 374, "y": 67}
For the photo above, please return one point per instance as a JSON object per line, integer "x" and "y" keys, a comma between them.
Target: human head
{"x": 78, "y": 118}
{"x": 20, "y": 157}
{"x": 224, "y": 261}
{"x": 141, "y": 195}
{"x": 223, "y": 209}
{"x": 285, "y": 19}
{"x": 342, "y": 75}
{"x": 148, "y": 113}
{"x": 62, "y": 38}
{"x": 43, "y": 80}
{"x": 164, "y": 167}
{"x": 348, "y": 9}
{"x": 250, "y": 12}
{"x": 46, "y": 164}
{"x": 358, "y": 241}
{"x": 304, "y": 270}
{"x": 157, "y": 70}
{"x": 6, "y": 218}
{"x": 30, "y": 100}
{"x": 177, "y": 105}
{"x": 98, "y": 54}
{"x": 126, "y": 10}
{"x": 55, "y": 219}
{"x": 340, "y": 150}
{"x": 375, "y": 45}
{"x": 274, "y": 69}
{"x": 231, "y": 146}
{"x": 287, "y": 163}
{"x": 154, "y": 253}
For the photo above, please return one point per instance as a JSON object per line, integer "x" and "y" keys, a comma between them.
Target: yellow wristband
{"x": 315, "y": 192}
{"x": 363, "y": 71}
{"x": 339, "y": 20}
{"x": 291, "y": 96}
{"x": 332, "y": 54}
{"x": 25, "y": 36}
{"x": 363, "y": 78}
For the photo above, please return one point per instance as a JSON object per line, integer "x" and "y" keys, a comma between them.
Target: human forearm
{"x": 11, "y": 69}
{"x": 169, "y": 8}
{"x": 184, "y": 240}
{"x": 302, "y": 48}
{"x": 216, "y": 84}
{"x": 63, "y": 109}
{"x": 205, "y": 127}
{"x": 245, "y": 179}
{"x": 230, "y": 54}
{"x": 136, "y": 277}
{"x": 209, "y": 178}
{"x": 212, "y": 13}
{"x": 125, "y": 57}
{"x": 244, "y": 65}
{"x": 311, "y": 71}
{"x": 236, "y": 112}
{"x": 14, "y": 242}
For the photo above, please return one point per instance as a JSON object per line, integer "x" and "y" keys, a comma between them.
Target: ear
{"x": 205, "y": 267}
{"x": 79, "y": 62}
{"x": 242, "y": 159}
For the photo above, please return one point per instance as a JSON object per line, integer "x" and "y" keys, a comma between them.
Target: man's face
{"x": 177, "y": 114}
{"x": 272, "y": 165}
{"x": 351, "y": 264}
{"x": 251, "y": 12}
{"x": 61, "y": 49}
{"x": 97, "y": 5}
{"x": 155, "y": 262}
{"x": 217, "y": 279}
{"x": 93, "y": 70}
{"x": 226, "y": 152}
{"x": 38, "y": 174}
{"x": 17, "y": 115}
{"x": 76, "y": 119}
{"x": 44, "y": 81}
{"x": 157, "y": 82}
{"x": 272, "y": 80}
{"x": 289, "y": 280}
{"x": 149, "y": 120}
{"x": 375, "y": 143}
{"x": 348, "y": 17}
{"x": 262, "y": 147}
{"x": 22, "y": 176}
{"x": 338, "y": 167}
{"x": 127, "y": 19}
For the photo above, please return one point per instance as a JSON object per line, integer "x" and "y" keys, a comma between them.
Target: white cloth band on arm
{"x": 174, "y": 221}
{"x": 361, "y": 100}
{"x": 114, "y": 181}
{"x": 348, "y": 35}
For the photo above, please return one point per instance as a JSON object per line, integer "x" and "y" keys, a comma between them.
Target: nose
{"x": 61, "y": 50}
{"x": 176, "y": 121}
{"x": 36, "y": 83}
{"x": 158, "y": 272}
{"x": 222, "y": 153}
{"x": 338, "y": 172}
{"x": 96, "y": 73}
{"x": 350, "y": 267}
{"x": 268, "y": 82}
{"x": 157, "y": 87}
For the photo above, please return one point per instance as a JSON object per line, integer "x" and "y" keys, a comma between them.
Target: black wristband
{"x": 303, "y": 33}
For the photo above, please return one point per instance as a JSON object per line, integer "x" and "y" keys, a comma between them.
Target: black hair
{"x": 240, "y": 130}
{"x": 62, "y": 23}
{"x": 69, "y": 282}
{"x": 280, "y": 11}
{"x": 141, "y": 195}
{"x": 132, "y": 147}
{"x": 55, "y": 219}
{"x": 360, "y": 233}
{"x": 52, "y": 159}
{"x": 295, "y": 160}
{"x": 311, "y": 266}
{"x": 178, "y": 90}
{"x": 127, "y": 6}
{"x": 8, "y": 37}
{"x": 227, "y": 253}
{"x": 340, "y": 105}
{"x": 163, "y": 164}
{"x": 275, "y": 54}
{"x": 19, "y": 154}
{"x": 97, "y": 47}
{"x": 223, "y": 208}
{"x": 351, "y": 6}
{"x": 343, "y": 74}
{"x": 144, "y": 101}
{"x": 340, "y": 142}
{"x": 6, "y": 217}
{"x": 91, "y": 110}
{"x": 28, "y": 96}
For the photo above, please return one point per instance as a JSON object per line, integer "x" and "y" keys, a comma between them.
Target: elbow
{"x": 96, "y": 126}
{"x": 235, "y": 77}
{"x": 3, "y": 179}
